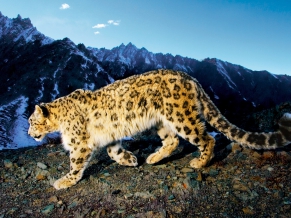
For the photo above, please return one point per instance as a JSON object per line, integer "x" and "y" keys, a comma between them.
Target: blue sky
{"x": 255, "y": 34}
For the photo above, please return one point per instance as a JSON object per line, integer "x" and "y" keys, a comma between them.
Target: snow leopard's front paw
{"x": 122, "y": 156}
{"x": 63, "y": 183}
{"x": 198, "y": 163}
{"x": 128, "y": 159}
{"x": 154, "y": 158}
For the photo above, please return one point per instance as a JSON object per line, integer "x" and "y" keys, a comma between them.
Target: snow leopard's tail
{"x": 255, "y": 140}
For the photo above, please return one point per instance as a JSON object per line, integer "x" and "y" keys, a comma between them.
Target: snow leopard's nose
{"x": 29, "y": 132}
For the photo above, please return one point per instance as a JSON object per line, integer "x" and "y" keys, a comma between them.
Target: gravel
{"x": 239, "y": 182}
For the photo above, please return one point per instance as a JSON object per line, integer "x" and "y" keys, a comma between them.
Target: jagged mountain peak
{"x": 21, "y": 30}
{"x": 24, "y": 22}
{"x": 125, "y": 49}
{"x": 128, "y": 45}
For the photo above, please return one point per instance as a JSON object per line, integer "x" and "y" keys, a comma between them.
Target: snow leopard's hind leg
{"x": 195, "y": 132}
{"x": 120, "y": 155}
{"x": 170, "y": 142}
{"x": 206, "y": 147}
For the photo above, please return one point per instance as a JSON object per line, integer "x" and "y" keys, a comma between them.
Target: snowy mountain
{"x": 35, "y": 68}
{"x": 21, "y": 29}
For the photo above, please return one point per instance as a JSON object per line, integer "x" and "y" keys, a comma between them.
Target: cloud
{"x": 114, "y": 22}
{"x": 64, "y": 6}
{"x": 100, "y": 25}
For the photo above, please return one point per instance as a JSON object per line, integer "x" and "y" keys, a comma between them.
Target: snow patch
{"x": 111, "y": 79}
{"x": 274, "y": 76}
{"x": 90, "y": 86}
{"x": 147, "y": 60}
{"x": 78, "y": 52}
{"x": 215, "y": 96}
{"x": 41, "y": 90}
{"x": 20, "y": 126}
{"x": 47, "y": 40}
{"x": 15, "y": 132}
{"x": 213, "y": 134}
{"x": 224, "y": 73}
{"x": 56, "y": 87}
{"x": 287, "y": 116}
{"x": 127, "y": 138}
{"x": 55, "y": 91}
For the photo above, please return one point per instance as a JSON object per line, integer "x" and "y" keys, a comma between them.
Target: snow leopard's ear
{"x": 41, "y": 109}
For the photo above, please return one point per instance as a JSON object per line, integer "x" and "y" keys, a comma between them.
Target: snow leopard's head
{"x": 40, "y": 123}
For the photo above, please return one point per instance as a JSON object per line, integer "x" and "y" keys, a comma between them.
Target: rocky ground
{"x": 239, "y": 182}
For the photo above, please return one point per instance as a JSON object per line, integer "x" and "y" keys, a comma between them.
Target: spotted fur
{"x": 173, "y": 101}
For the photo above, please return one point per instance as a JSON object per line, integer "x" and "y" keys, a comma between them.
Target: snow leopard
{"x": 172, "y": 101}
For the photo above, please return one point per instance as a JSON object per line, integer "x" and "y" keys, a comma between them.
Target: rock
{"x": 235, "y": 147}
{"x": 196, "y": 154}
{"x": 284, "y": 155}
{"x": 51, "y": 181}
{"x": 25, "y": 176}
{"x": 248, "y": 211}
{"x": 187, "y": 170}
{"x": 213, "y": 172}
{"x": 53, "y": 154}
{"x": 8, "y": 163}
{"x": 106, "y": 174}
{"x": 41, "y": 165}
{"x": 48, "y": 209}
{"x": 73, "y": 204}
{"x": 120, "y": 211}
{"x": 240, "y": 186}
{"x": 53, "y": 199}
{"x": 144, "y": 195}
{"x": 127, "y": 196}
{"x": 171, "y": 197}
{"x": 28, "y": 211}
{"x": 100, "y": 213}
{"x": 165, "y": 188}
{"x": 150, "y": 214}
{"x": 199, "y": 177}
{"x": 44, "y": 172}
{"x": 189, "y": 183}
{"x": 116, "y": 192}
{"x": 162, "y": 166}
{"x": 268, "y": 154}
{"x": 40, "y": 177}
{"x": 12, "y": 210}
{"x": 256, "y": 155}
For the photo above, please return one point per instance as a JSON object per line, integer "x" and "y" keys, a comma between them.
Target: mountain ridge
{"x": 35, "y": 68}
